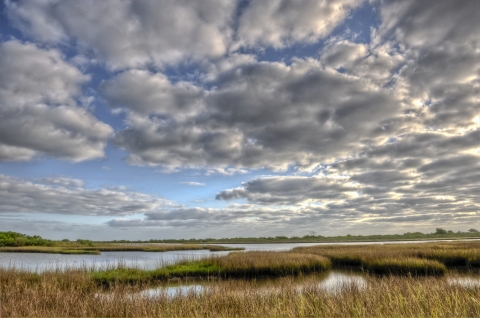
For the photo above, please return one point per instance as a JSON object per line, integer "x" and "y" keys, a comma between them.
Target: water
{"x": 39, "y": 262}
{"x": 146, "y": 260}
{"x": 289, "y": 246}
{"x": 465, "y": 281}
{"x": 333, "y": 282}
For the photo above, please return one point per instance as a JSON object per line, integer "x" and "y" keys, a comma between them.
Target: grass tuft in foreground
{"x": 75, "y": 294}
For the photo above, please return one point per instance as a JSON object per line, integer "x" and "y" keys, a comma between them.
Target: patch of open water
{"x": 332, "y": 282}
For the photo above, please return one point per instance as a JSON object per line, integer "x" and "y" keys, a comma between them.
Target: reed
{"x": 404, "y": 266}
{"x": 74, "y": 294}
{"x": 450, "y": 254}
{"x": 247, "y": 265}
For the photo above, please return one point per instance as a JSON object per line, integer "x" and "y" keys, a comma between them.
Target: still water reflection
{"x": 39, "y": 262}
{"x": 331, "y": 282}
{"x": 465, "y": 281}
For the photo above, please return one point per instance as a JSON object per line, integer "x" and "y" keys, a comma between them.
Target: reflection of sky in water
{"x": 337, "y": 281}
{"x": 146, "y": 260}
{"x": 465, "y": 281}
{"x": 172, "y": 291}
{"x": 334, "y": 282}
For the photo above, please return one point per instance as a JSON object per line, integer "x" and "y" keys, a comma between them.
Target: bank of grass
{"x": 74, "y": 293}
{"x": 404, "y": 266}
{"x": 458, "y": 255}
{"x": 234, "y": 265}
{"x": 96, "y": 249}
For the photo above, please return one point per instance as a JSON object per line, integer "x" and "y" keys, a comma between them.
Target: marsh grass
{"x": 404, "y": 266}
{"x": 450, "y": 254}
{"x": 74, "y": 248}
{"x": 47, "y": 250}
{"x": 240, "y": 265}
{"x": 74, "y": 294}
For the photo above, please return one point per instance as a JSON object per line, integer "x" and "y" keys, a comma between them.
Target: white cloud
{"x": 193, "y": 184}
{"x": 280, "y": 23}
{"x": 130, "y": 33}
{"x": 38, "y": 113}
{"x": 70, "y": 197}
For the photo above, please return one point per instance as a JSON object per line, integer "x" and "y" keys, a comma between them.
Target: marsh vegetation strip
{"x": 74, "y": 294}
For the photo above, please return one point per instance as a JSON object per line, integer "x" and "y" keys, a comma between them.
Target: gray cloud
{"x": 38, "y": 111}
{"x": 288, "y": 190}
{"x": 393, "y": 125}
{"x": 280, "y": 23}
{"x": 69, "y": 196}
{"x": 130, "y": 33}
{"x": 248, "y": 119}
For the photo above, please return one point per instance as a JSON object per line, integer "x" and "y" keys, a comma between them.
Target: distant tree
{"x": 440, "y": 231}
{"x": 473, "y": 231}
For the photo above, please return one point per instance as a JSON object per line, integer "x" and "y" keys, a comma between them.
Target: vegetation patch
{"x": 405, "y": 266}
{"x": 246, "y": 265}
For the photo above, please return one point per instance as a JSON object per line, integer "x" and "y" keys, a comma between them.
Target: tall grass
{"x": 75, "y": 294}
{"x": 248, "y": 265}
{"x": 450, "y": 254}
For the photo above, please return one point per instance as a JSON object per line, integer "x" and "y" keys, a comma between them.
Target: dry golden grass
{"x": 74, "y": 294}
{"x": 77, "y": 292}
{"x": 465, "y": 253}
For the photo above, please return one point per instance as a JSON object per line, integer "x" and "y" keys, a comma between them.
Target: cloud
{"x": 193, "y": 184}
{"x": 288, "y": 190}
{"x": 38, "y": 110}
{"x": 375, "y": 190}
{"x": 280, "y": 23}
{"x": 130, "y": 33}
{"x": 258, "y": 115}
{"x": 70, "y": 197}
{"x": 225, "y": 171}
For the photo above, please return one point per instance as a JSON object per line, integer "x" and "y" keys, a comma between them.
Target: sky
{"x": 124, "y": 119}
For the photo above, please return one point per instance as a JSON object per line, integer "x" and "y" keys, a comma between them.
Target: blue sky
{"x": 160, "y": 119}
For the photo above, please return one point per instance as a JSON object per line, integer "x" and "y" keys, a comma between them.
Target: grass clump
{"x": 250, "y": 264}
{"x": 253, "y": 264}
{"x": 73, "y": 295}
{"x": 404, "y": 266}
{"x": 451, "y": 258}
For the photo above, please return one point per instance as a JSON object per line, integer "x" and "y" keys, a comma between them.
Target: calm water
{"x": 332, "y": 282}
{"x": 147, "y": 260}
